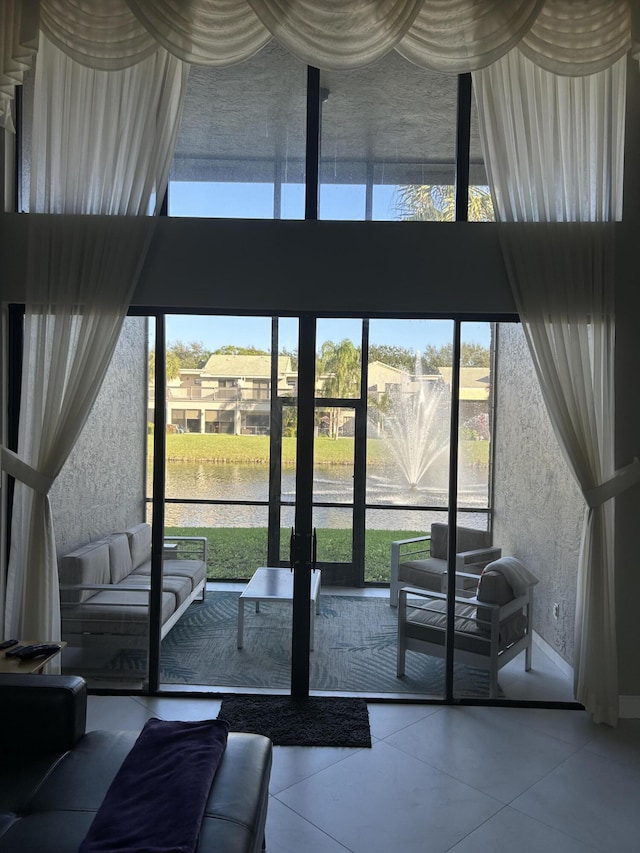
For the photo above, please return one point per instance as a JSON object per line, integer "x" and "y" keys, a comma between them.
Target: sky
{"x": 214, "y": 332}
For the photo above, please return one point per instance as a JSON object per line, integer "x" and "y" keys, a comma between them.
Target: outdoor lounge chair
{"x": 422, "y": 561}
{"x": 491, "y": 627}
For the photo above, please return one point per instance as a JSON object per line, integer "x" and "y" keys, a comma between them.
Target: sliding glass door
{"x": 310, "y": 446}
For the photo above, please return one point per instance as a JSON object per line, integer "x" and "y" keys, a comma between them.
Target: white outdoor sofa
{"x": 105, "y": 587}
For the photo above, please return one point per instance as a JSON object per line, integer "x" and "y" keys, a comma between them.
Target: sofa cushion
{"x": 62, "y": 808}
{"x": 179, "y": 587}
{"x": 119, "y": 557}
{"x": 139, "y": 543}
{"x": 86, "y": 565}
{"x": 116, "y": 612}
{"x": 194, "y": 570}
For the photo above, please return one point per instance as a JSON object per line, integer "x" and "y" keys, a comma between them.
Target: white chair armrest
{"x": 476, "y": 556}
{"x": 426, "y": 538}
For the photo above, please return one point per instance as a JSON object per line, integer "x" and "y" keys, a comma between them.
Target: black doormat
{"x": 316, "y": 721}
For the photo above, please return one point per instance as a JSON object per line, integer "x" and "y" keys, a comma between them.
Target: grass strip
{"x": 254, "y": 450}
{"x": 235, "y": 553}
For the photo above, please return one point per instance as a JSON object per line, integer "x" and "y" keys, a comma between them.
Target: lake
{"x": 210, "y": 481}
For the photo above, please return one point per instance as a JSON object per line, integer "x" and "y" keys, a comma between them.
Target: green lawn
{"x": 236, "y": 552}
{"x": 254, "y": 450}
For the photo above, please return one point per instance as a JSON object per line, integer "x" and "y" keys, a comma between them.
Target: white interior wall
{"x": 102, "y": 486}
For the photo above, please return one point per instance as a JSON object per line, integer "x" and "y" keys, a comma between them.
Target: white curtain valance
{"x": 18, "y": 46}
{"x": 448, "y": 35}
{"x": 101, "y": 34}
{"x": 578, "y": 39}
{"x": 465, "y": 35}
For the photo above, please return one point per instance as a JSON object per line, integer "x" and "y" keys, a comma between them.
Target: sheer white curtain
{"x": 554, "y": 148}
{"x": 102, "y": 145}
{"x": 453, "y": 36}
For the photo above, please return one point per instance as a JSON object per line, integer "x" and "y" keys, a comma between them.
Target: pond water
{"x": 210, "y": 481}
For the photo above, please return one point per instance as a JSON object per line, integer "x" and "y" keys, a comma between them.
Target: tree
{"x": 395, "y": 356}
{"x": 472, "y": 354}
{"x": 340, "y": 365}
{"x": 292, "y": 354}
{"x": 172, "y": 365}
{"x": 231, "y": 349}
{"x": 192, "y": 355}
{"x": 436, "y": 203}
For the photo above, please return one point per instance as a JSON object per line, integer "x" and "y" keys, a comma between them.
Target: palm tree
{"x": 340, "y": 366}
{"x": 436, "y": 203}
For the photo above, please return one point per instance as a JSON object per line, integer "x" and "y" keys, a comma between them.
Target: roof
{"x": 474, "y": 381}
{"x": 239, "y": 366}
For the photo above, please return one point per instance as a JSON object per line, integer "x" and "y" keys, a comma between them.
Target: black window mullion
{"x": 453, "y": 512}
{"x": 157, "y": 507}
{"x": 463, "y": 141}
{"x": 275, "y": 456}
{"x": 312, "y": 157}
{"x": 17, "y": 171}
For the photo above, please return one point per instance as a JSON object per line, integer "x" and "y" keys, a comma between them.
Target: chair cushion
{"x": 430, "y": 626}
{"x": 430, "y": 574}
{"x": 472, "y": 625}
{"x": 493, "y": 587}
{"x": 467, "y": 539}
{"x": 427, "y": 574}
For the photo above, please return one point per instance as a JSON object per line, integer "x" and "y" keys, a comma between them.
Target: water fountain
{"x": 416, "y": 439}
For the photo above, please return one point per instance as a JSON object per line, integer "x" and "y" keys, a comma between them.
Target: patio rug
{"x": 316, "y": 721}
{"x": 355, "y": 650}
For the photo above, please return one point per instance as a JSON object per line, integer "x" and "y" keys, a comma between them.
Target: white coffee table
{"x": 275, "y": 584}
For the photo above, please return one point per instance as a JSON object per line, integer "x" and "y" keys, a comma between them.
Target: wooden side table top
{"x": 15, "y": 665}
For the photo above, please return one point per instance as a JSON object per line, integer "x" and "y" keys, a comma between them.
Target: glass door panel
{"x": 473, "y": 625}
{"x": 217, "y": 490}
{"x": 407, "y": 491}
{"x": 408, "y": 412}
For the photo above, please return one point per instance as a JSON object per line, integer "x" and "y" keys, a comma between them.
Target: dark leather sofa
{"x": 54, "y": 775}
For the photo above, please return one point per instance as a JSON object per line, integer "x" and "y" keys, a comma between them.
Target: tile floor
{"x": 461, "y": 779}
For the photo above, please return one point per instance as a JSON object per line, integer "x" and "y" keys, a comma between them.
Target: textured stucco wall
{"x": 102, "y": 486}
{"x": 539, "y": 510}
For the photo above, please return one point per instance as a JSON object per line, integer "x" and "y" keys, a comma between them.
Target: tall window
{"x": 390, "y": 142}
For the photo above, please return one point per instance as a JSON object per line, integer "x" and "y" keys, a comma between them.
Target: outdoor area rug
{"x": 316, "y": 721}
{"x": 355, "y": 650}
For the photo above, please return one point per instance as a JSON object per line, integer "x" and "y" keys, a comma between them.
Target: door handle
{"x": 314, "y": 551}
{"x": 291, "y": 549}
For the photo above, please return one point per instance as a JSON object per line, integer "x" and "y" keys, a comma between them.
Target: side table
{"x": 15, "y": 665}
